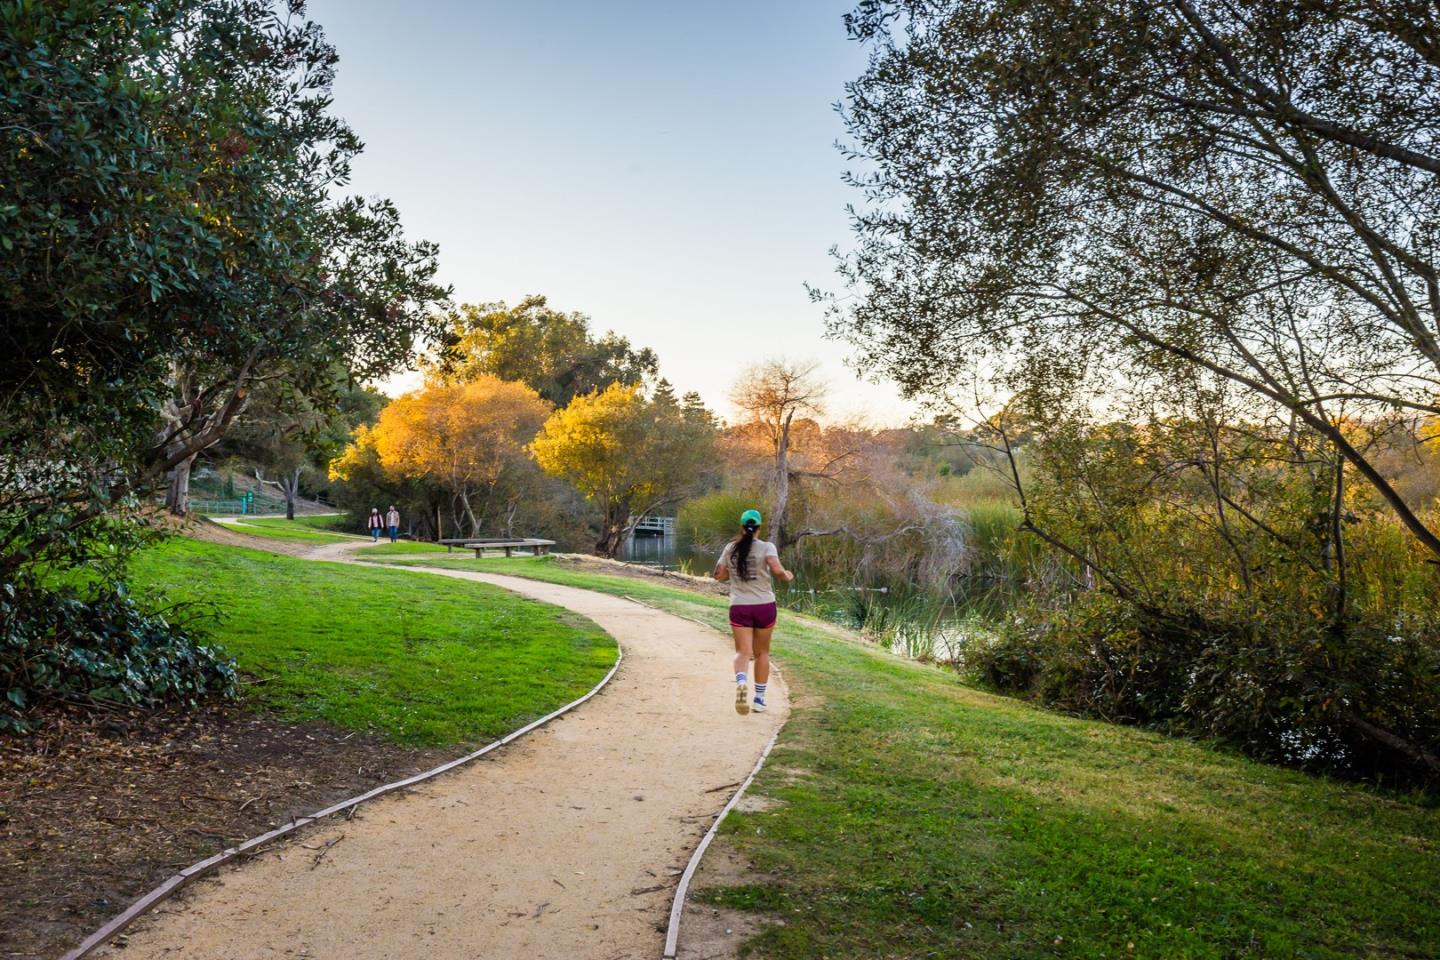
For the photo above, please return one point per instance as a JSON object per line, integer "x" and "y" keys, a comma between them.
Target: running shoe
{"x": 759, "y": 706}
{"x": 742, "y": 698}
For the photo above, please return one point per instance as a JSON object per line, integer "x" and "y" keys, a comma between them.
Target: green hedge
{"x": 61, "y": 644}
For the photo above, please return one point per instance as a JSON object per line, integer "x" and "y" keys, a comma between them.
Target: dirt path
{"x": 566, "y": 845}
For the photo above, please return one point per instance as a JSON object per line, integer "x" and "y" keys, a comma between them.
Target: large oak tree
{"x": 629, "y": 454}
{"x": 469, "y": 440}
{"x": 551, "y": 350}
{"x": 171, "y": 236}
{"x": 1194, "y": 237}
{"x": 1064, "y": 192}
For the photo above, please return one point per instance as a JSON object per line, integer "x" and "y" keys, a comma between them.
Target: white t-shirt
{"x": 759, "y": 588}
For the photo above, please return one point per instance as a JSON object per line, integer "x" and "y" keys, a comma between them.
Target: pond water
{"x": 901, "y": 619}
{"x": 908, "y": 621}
{"x": 666, "y": 553}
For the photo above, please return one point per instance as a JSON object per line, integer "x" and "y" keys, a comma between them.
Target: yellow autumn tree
{"x": 467, "y": 439}
{"x": 356, "y": 455}
{"x": 629, "y": 454}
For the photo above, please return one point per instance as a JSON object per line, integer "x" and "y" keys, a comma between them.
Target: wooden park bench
{"x": 480, "y": 544}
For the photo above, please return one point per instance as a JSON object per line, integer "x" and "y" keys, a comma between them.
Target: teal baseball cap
{"x": 749, "y": 518}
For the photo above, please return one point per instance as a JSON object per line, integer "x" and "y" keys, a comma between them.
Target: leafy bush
{"x": 995, "y": 548}
{"x": 1278, "y": 683}
{"x": 710, "y": 520}
{"x": 57, "y": 644}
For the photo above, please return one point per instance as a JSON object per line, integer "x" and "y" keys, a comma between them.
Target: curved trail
{"x": 567, "y": 844}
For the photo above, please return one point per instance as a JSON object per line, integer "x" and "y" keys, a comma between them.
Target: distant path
{"x": 567, "y": 845}
{"x": 344, "y": 550}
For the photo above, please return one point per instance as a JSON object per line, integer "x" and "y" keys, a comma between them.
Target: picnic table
{"x": 508, "y": 544}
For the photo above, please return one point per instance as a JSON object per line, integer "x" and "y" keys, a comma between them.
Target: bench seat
{"x": 509, "y": 544}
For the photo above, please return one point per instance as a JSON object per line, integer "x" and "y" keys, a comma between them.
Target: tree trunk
{"x": 1337, "y": 536}
{"x": 617, "y": 518}
{"x": 1399, "y": 744}
{"x": 193, "y": 423}
{"x": 610, "y": 544}
{"x": 483, "y": 516}
{"x": 291, "y": 489}
{"x": 457, "y": 514}
{"x": 470, "y": 514}
{"x": 782, "y": 486}
{"x": 177, "y": 488}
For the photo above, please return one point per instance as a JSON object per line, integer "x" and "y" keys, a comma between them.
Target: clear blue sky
{"x": 666, "y": 167}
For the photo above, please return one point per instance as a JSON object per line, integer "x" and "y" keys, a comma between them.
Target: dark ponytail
{"x": 741, "y": 553}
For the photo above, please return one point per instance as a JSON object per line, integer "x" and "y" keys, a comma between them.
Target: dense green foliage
{"x": 920, "y": 817}
{"x": 1177, "y": 248}
{"x": 629, "y": 454}
{"x": 64, "y": 644}
{"x": 1286, "y": 614}
{"x": 172, "y": 237}
{"x": 552, "y": 352}
{"x": 711, "y": 519}
{"x": 1271, "y": 679}
{"x": 418, "y": 658}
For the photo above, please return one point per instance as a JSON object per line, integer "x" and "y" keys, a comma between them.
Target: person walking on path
{"x": 749, "y": 565}
{"x": 375, "y": 524}
{"x": 392, "y": 520}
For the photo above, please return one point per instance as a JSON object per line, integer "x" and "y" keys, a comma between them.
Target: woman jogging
{"x": 375, "y": 524}
{"x": 748, "y": 564}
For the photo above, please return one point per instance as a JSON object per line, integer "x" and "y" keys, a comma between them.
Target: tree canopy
{"x": 1189, "y": 247}
{"x": 770, "y": 395}
{"x": 168, "y": 173}
{"x": 467, "y": 438}
{"x": 1079, "y": 199}
{"x": 554, "y": 352}
{"x": 628, "y": 454}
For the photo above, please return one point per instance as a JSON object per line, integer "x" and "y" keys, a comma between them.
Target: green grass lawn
{"x": 401, "y": 547}
{"x": 423, "y": 660}
{"x": 924, "y": 818}
{"x": 301, "y": 529}
{"x": 331, "y": 522}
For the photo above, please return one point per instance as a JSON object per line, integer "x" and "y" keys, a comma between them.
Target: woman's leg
{"x": 744, "y": 643}
{"x": 762, "y": 654}
{"x": 744, "y": 646}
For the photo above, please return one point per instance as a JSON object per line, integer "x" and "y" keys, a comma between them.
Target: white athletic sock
{"x": 739, "y": 678}
{"x": 760, "y": 692}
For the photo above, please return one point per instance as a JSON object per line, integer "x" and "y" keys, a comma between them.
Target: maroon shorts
{"x": 755, "y": 615}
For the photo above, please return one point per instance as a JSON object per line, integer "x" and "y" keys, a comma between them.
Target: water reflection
{"x": 665, "y": 553}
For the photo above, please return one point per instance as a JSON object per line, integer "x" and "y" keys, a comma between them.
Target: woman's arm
{"x": 778, "y": 568}
{"x": 722, "y": 566}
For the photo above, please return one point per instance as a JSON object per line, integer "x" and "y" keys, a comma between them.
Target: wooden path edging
{"x": 166, "y": 889}
{"x": 672, "y": 930}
